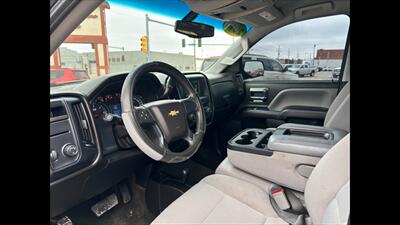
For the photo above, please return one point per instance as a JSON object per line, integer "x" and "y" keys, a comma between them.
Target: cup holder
{"x": 246, "y": 138}
{"x": 243, "y": 141}
{"x": 253, "y": 134}
{"x": 253, "y": 141}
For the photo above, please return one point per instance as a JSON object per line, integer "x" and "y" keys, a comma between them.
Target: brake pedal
{"x": 104, "y": 205}
{"x": 126, "y": 196}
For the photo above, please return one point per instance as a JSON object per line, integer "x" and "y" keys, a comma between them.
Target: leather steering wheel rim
{"x": 168, "y": 117}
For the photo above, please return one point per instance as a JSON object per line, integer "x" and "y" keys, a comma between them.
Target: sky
{"x": 299, "y": 38}
{"x": 126, "y": 25}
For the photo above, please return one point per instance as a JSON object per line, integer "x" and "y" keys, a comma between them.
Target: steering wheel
{"x": 155, "y": 125}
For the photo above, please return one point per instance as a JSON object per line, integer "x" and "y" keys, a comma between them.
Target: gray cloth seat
{"x": 221, "y": 199}
{"x": 338, "y": 115}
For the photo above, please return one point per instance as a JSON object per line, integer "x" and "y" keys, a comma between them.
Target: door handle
{"x": 258, "y": 98}
{"x": 258, "y": 94}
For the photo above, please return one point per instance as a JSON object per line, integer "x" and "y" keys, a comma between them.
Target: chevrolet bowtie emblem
{"x": 173, "y": 113}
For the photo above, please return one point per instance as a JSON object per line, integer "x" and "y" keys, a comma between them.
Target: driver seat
{"x": 222, "y": 199}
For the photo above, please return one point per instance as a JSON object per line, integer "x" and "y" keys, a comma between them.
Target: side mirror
{"x": 285, "y": 69}
{"x": 194, "y": 29}
{"x": 254, "y": 68}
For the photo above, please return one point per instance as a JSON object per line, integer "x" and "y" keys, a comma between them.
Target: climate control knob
{"x": 70, "y": 150}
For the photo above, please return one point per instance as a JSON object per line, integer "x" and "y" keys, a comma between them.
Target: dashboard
{"x": 90, "y": 149}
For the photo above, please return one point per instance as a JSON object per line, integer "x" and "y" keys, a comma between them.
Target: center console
{"x": 285, "y": 155}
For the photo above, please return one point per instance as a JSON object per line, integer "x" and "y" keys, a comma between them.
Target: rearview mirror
{"x": 194, "y": 29}
{"x": 254, "y": 68}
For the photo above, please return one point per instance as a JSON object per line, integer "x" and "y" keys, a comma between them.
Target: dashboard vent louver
{"x": 83, "y": 123}
{"x": 57, "y": 112}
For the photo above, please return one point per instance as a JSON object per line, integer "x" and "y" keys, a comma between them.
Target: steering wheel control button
{"x": 70, "y": 150}
{"x": 53, "y": 155}
{"x": 144, "y": 116}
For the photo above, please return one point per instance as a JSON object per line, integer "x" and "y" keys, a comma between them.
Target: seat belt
{"x": 288, "y": 206}
{"x": 344, "y": 60}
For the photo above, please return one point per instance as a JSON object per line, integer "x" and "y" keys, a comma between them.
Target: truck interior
{"x": 230, "y": 143}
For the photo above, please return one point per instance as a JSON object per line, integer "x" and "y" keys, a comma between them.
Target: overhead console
{"x": 285, "y": 155}
{"x": 254, "y": 12}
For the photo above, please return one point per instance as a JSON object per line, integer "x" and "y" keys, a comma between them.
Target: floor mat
{"x": 134, "y": 212}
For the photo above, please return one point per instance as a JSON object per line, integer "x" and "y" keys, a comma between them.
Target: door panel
{"x": 303, "y": 97}
{"x": 304, "y": 102}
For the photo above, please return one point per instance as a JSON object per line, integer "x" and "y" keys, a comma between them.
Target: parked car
{"x": 314, "y": 69}
{"x": 65, "y": 75}
{"x": 301, "y": 70}
{"x": 287, "y": 66}
{"x": 327, "y": 68}
{"x": 320, "y": 68}
{"x": 336, "y": 72}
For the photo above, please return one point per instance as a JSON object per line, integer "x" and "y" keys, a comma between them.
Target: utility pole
{"x": 314, "y": 54}
{"x": 288, "y": 54}
{"x": 148, "y": 34}
{"x": 314, "y": 50}
{"x": 279, "y": 51}
{"x": 194, "y": 54}
{"x": 148, "y": 38}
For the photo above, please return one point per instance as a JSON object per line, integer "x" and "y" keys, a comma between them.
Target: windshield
{"x": 121, "y": 35}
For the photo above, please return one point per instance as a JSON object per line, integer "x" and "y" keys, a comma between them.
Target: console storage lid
{"x": 304, "y": 139}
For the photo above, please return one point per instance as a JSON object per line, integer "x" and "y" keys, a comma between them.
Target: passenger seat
{"x": 221, "y": 199}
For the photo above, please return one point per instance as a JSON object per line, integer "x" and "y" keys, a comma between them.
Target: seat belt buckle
{"x": 280, "y": 198}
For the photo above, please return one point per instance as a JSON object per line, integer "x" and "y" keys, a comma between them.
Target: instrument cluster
{"x": 108, "y": 104}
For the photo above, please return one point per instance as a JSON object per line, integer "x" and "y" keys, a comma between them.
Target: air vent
{"x": 87, "y": 137}
{"x": 57, "y": 111}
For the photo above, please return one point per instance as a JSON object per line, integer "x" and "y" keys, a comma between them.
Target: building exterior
{"x": 91, "y": 31}
{"x": 329, "y": 58}
{"x": 290, "y": 61}
{"x": 128, "y": 60}
{"x": 123, "y": 60}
